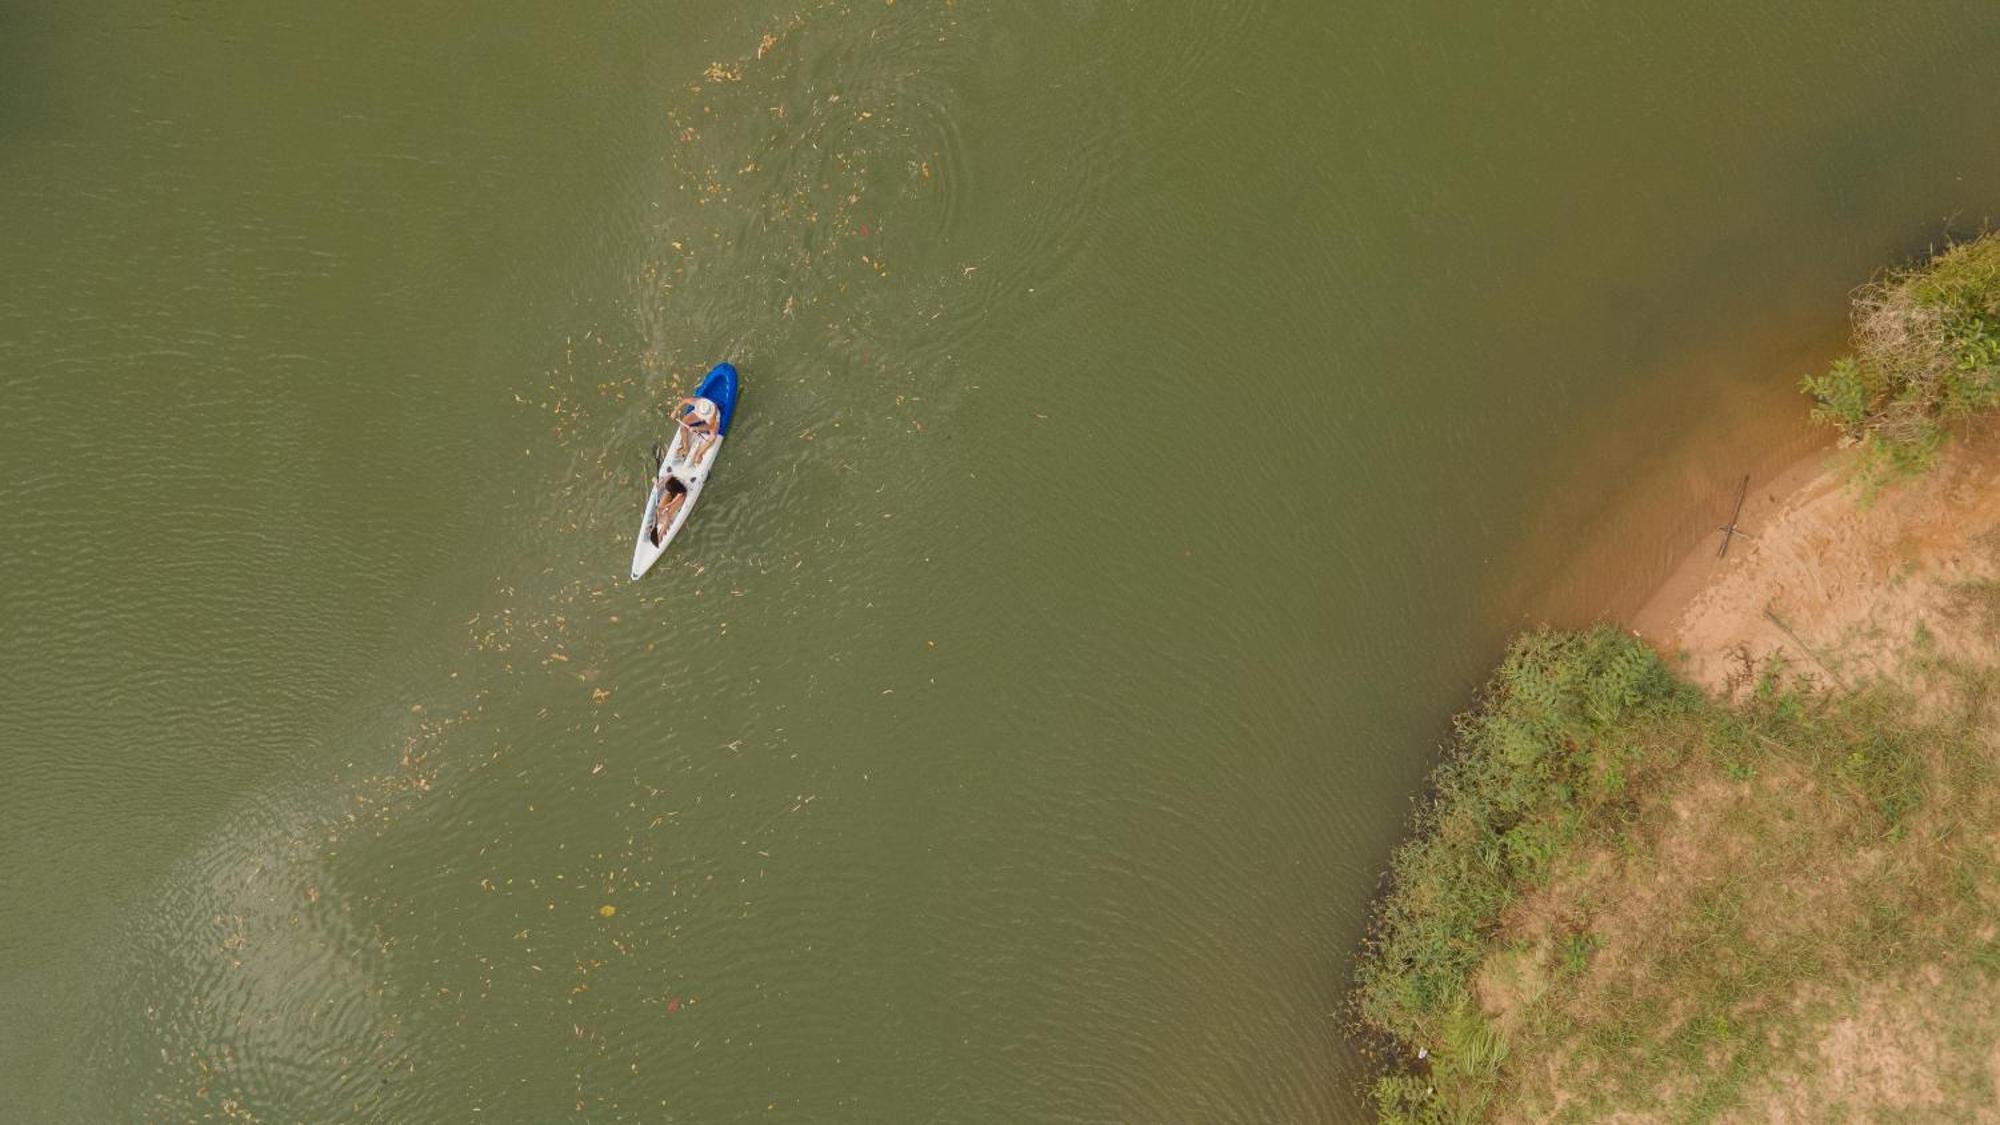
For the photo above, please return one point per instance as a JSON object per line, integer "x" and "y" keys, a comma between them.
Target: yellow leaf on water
{"x": 607, "y": 910}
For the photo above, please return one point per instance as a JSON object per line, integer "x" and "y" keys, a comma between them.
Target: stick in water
{"x": 1729, "y": 529}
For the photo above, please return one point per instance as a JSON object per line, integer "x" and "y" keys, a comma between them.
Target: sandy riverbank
{"x": 1736, "y": 858}
{"x": 1842, "y": 588}
{"x": 1767, "y": 899}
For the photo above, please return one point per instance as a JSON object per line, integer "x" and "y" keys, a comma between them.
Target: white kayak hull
{"x": 645, "y": 552}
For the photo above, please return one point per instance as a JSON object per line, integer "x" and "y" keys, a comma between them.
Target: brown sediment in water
{"x": 1652, "y": 477}
{"x": 1777, "y": 906}
{"x": 1631, "y": 530}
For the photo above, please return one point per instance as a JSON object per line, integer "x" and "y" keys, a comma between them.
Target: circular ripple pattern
{"x": 1149, "y": 423}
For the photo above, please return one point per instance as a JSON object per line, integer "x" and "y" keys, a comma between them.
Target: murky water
{"x": 1153, "y": 418}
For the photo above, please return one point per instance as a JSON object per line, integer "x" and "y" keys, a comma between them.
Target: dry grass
{"x": 1628, "y": 900}
{"x": 1926, "y": 356}
{"x": 1769, "y": 892}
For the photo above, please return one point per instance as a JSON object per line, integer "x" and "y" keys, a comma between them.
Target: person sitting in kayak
{"x": 698, "y": 420}
{"x": 671, "y": 498}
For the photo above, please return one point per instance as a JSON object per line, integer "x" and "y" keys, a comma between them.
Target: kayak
{"x": 677, "y": 471}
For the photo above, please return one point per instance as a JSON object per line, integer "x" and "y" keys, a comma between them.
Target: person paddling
{"x": 697, "y": 418}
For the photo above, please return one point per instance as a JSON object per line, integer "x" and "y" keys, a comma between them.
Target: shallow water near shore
{"x": 1153, "y": 421}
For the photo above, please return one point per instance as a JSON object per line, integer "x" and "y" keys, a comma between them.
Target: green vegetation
{"x": 1926, "y": 355}
{"x": 1625, "y": 896}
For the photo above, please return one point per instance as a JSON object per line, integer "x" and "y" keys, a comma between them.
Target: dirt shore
{"x": 1774, "y": 908}
{"x": 1841, "y": 587}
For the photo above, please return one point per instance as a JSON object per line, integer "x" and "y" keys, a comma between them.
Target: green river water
{"x": 1155, "y": 417}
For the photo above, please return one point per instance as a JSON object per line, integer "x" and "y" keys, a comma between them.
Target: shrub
{"x": 1926, "y": 356}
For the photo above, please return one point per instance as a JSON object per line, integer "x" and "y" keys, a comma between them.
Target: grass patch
{"x": 1979, "y": 597}
{"x": 1682, "y": 880}
{"x": 1926, "y": 355}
